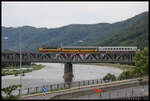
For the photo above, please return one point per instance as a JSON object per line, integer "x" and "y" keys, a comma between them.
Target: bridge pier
{"x": 68, "y": 74}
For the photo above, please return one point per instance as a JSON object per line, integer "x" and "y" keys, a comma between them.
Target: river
{"x": 53, "y": 73}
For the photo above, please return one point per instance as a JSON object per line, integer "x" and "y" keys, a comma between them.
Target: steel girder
{"x": 73, "y": 57}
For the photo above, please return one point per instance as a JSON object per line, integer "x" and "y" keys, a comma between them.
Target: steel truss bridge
{"x": 69, "y": 57}
{"x": 13, "y": 58}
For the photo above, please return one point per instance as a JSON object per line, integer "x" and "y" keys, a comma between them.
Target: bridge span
{"x": 123, "y": 57}
{"x": 72, "y": 57}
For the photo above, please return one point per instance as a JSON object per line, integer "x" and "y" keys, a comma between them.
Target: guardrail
{"x": 113, "y": 92}
{"x": 135, "y": 98}
{"x": 60, "y": 86}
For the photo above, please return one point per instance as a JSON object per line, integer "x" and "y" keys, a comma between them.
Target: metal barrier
{"x": 135, "y": 98}
{"x": 114, "y": 92}
{"x": 60, "y": 86}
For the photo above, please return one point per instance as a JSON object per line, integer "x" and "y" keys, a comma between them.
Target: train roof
{"x": 79, "y": 46}
{"x": 118, "y": 46}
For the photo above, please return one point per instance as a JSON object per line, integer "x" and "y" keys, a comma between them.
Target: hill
{"x": 135, "y": 34}
{"x": 72, "y": 35}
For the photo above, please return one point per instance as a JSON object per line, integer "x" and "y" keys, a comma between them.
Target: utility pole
{"x": 20, "y": 62}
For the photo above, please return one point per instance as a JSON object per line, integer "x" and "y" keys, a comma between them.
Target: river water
{"x": 53, "y": 73}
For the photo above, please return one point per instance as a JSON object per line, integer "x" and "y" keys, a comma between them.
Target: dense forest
{"x": 135, "y": 34}
{"x": 130, "y": 32}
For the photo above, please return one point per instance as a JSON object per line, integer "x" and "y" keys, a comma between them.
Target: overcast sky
{"x": 57, "y": 14}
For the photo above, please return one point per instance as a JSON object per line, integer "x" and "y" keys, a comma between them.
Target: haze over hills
{"x": 133, "y": 31}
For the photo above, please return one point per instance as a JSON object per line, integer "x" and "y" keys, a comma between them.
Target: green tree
{"x": 110, "y": 76}
{"x": 126, "y": 75}
{"x": 141, "y": 62}
{"x": 8, "y": 90}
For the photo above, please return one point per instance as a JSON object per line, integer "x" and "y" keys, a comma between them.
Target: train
{"x": 86, "y": 48}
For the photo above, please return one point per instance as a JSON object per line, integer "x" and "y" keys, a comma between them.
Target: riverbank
{"x": 14, "y": 70}
{"x": 122, "y": 67}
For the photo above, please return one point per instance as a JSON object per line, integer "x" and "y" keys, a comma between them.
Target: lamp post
{"x": 6, "y": 38}
{"x": 20, "y": 63}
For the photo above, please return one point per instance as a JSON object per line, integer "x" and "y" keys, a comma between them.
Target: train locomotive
{"x": 87, "y": 48}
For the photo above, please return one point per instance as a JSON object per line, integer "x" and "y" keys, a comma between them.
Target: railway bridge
{"x": 124, "y": 57}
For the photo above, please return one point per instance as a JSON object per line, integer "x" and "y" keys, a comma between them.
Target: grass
{"x": 16, "y": 72}
{"x": 12, "y": 97}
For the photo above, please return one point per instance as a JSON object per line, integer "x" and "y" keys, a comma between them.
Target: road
{"x": 125, "y": 92}
{"x": 106, "y": 94}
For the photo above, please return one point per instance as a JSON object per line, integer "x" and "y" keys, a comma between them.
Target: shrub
{"x": 110, "y": 76}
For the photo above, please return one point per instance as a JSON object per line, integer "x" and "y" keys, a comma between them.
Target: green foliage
{"x": 8, "y": 90}
{"x": 141, "y": 66}
{"x": 16, "y": 72}
{"x": 126, "y": 75}
{"x": 141, "y": 62}
{"x": 109, "y": 76}
{"x": 136, "y": 34}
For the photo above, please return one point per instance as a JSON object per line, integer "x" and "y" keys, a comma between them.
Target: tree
{"x": 8, "y": 90}
{"x": 110, "y": 76}
{"x": 126, "y": 75}
{"x": 141, "y": 62}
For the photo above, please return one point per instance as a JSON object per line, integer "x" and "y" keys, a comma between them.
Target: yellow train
{"x": 88, "y": 48}
{"x": 67, "y": 49}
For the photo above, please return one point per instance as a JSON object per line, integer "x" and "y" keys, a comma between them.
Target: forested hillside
{"x": 133, "y": 31}
{"x": 135, "y": 34}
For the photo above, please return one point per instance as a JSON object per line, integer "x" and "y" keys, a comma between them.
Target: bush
{"x": 110, "y": 76}
{"x": 8, "y": 90}
{"x": 142, "y": 62}
{"x": 126, "y": 75}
